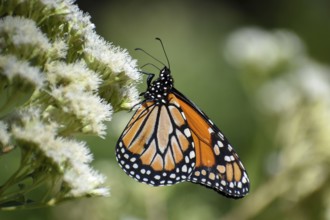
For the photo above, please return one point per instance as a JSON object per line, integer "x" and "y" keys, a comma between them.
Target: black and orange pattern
{"x": 170, "y": 140}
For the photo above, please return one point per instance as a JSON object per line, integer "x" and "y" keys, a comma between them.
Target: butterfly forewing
{"x": 156, "y": 146}
{"x": 217, "y": 164}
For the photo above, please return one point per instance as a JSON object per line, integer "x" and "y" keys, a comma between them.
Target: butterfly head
{"x": 159, "y": 89}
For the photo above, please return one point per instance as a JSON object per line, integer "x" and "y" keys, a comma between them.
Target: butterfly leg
{"x": 150, "y": 77}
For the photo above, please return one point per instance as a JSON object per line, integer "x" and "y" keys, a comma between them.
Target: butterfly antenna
{"x": 161, "y": 42}
{"x": 150, "y": 56}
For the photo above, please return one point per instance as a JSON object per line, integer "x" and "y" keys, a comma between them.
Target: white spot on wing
{"x": 183, "y": 115}
{"x": 219, "y": 143}
{"x": 231, "y": 185}
{"x": 186, "y": 159}
{"x": 227, "y": 158}
{"x": 187, "y": 132}
{"x": 192, "y": 154}
{"x": 184, "y": 168}
{"x": 216, "y": 150}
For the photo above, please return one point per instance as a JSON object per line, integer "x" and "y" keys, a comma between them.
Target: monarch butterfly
{"x": 170, "y": 140}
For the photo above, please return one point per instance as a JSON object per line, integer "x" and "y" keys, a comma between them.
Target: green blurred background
{"x": 285, "y": 150}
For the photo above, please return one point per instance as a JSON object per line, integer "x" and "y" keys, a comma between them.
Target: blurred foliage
{"x": 276, "y": 118}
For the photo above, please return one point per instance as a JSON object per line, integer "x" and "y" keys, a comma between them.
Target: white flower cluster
{"x": 104, "y": 56}
{"x": 58, "y": 78}
{"x": 21, "y": 32}
{"x": 73, "y": 88}
{"x": 308, "y": 81}
{"x": 69, "y": 156}
{"x": 293, "y": 89}
{"x": 4, "y": 135}
{"x": 13, "y": 69}
{"x": 114, "y": 57}
{"x": 261, "y": 50}
{"x": 281, "y": 55}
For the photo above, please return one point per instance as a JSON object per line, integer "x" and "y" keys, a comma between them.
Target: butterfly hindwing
{"x": 156, "y": 146}
{"x": 217, "y": 164}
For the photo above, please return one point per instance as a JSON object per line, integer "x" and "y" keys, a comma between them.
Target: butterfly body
{"x": 170, "y": 140}
{"x": 159, "y": 89}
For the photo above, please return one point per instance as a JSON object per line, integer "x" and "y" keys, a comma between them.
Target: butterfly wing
{"x": 156, "y": 146}
{"x": 217, "y": 164}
